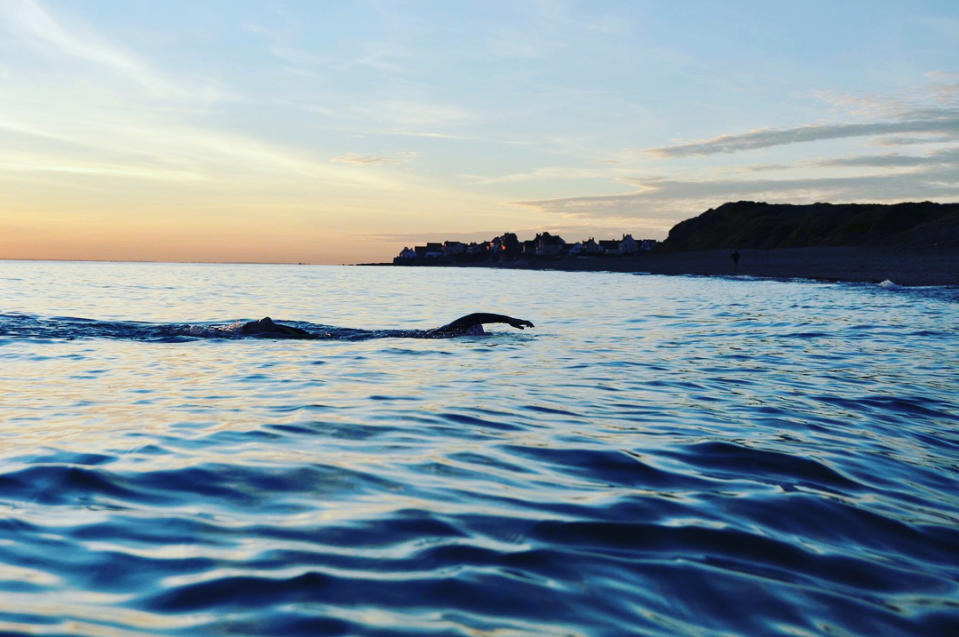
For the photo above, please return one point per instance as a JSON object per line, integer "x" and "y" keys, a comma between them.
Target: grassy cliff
{"x": 758, "y": 225}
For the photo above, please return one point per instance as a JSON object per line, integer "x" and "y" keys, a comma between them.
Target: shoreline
{"x": 908, "y": 267}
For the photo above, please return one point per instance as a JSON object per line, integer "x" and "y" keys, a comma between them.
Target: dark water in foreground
{"x": 659, "y": 456}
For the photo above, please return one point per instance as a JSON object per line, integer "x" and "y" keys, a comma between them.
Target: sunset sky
{"x": 338, "y": 132}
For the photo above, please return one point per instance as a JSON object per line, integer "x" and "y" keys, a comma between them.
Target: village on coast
{"x": 507, "y": 247}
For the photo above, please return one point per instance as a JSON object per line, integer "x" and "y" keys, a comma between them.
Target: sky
{"x": 338, "y": 132}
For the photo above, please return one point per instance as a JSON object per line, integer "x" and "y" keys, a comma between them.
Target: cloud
{"x": 396, "y": 117}
{"x": 549, "y": 173}
{"x": 677, "y": 199}
{"x": 943, "y": 76}
{"x": 33, "y": 21}
{"x": 26, "y": 163}
{"x": 928, "y": 113}
{"x": 944, "y": 122}
{"x": 132, "y": 149}
{"x": 379, "y": 55}
{"x": 362, "y": 160}
{"x": 902, "y": 140}
{"x": 412, "y": 114}
{"x": 947, "y": 156}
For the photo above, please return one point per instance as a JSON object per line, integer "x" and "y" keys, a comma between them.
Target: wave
{"x": 701, "y": 457}
{"x": 25, "y": 326}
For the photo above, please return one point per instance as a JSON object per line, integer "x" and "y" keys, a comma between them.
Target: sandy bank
{"x": 904, "y": 267}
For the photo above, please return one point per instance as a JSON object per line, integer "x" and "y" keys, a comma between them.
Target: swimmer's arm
{"x": 479, "y": 318}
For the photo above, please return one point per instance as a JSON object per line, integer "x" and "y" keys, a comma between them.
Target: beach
{"x": 910, "y": 267}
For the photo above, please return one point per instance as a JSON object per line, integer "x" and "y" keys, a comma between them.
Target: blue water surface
{"x": 659, "y": 456}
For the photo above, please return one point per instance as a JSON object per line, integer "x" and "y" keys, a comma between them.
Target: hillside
{"x": 758, "y": 225}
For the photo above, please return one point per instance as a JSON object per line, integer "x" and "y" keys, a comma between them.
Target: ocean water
{"x": 659, "y": 456}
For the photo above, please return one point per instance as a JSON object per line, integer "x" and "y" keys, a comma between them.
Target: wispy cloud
{"x": 944, "y": 122}
{"x": 413, "y": 114}
{"x": 26, "y": 163}
{"x": 547, "y": 173}
{"x": 362, "y": 160}
{"x": 676, "y": 198}
{"x": 893, "y": 160}
{"x": 383, "y": 56}
{"x": 397, "y": 117}
{"x": 130, "y": 149}
{"x": 358, "y": 159}
{"x": 31, "y": 20}
{"x": 927, "y": 116}
{"x": 906, "y": 140}
{"x": 927, "y": 112}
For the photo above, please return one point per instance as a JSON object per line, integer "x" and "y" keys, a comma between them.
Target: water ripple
{"x": 661, "y": 456}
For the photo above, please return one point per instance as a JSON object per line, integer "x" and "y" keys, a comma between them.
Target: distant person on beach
{"x": 735, "y": 257}
{"x": 469, "y": 325}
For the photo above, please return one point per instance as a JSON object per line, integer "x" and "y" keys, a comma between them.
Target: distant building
{"x": 628, "y": 245}
{"x": 508, "y": 248}
{"x": 433, "y": 251}
{"x": 592, "y": 248}
{"x": 609, "y": 246}
{"x": 453, "y": 248}
{"x": 509, "y": 243}
{"x": 548, "y": 245}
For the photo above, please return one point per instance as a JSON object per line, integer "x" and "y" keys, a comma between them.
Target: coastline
{"x": 908, "y": 267}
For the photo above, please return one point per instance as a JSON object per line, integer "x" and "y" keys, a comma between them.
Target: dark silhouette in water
{"x": 266, "y": 327}
{"x": 471, "y": 324}
{"x": 735, "y": 257}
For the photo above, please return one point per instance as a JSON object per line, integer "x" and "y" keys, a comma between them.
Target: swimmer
{"x": 266, "y": 327}
{"x": 472, "y": 324}
{"x": 469, "y": 325}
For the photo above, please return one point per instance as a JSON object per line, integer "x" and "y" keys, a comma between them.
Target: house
{"x": 433, "y": 251}
{"x": 628, "y": 245}
{"x": 406, "y": 254}
{"x": 453, "y": 248}
{"x": 548, "y": 245}
{"x": 510, "y": 244}
{"x": 648, "y": 244}
{"x": 609, "y": 246}
{"x": 592, "y": 248}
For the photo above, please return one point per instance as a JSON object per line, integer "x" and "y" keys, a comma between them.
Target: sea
{"x": 657, "y": 456}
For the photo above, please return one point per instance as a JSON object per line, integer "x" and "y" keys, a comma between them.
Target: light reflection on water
{"x": 660, "y": 455}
